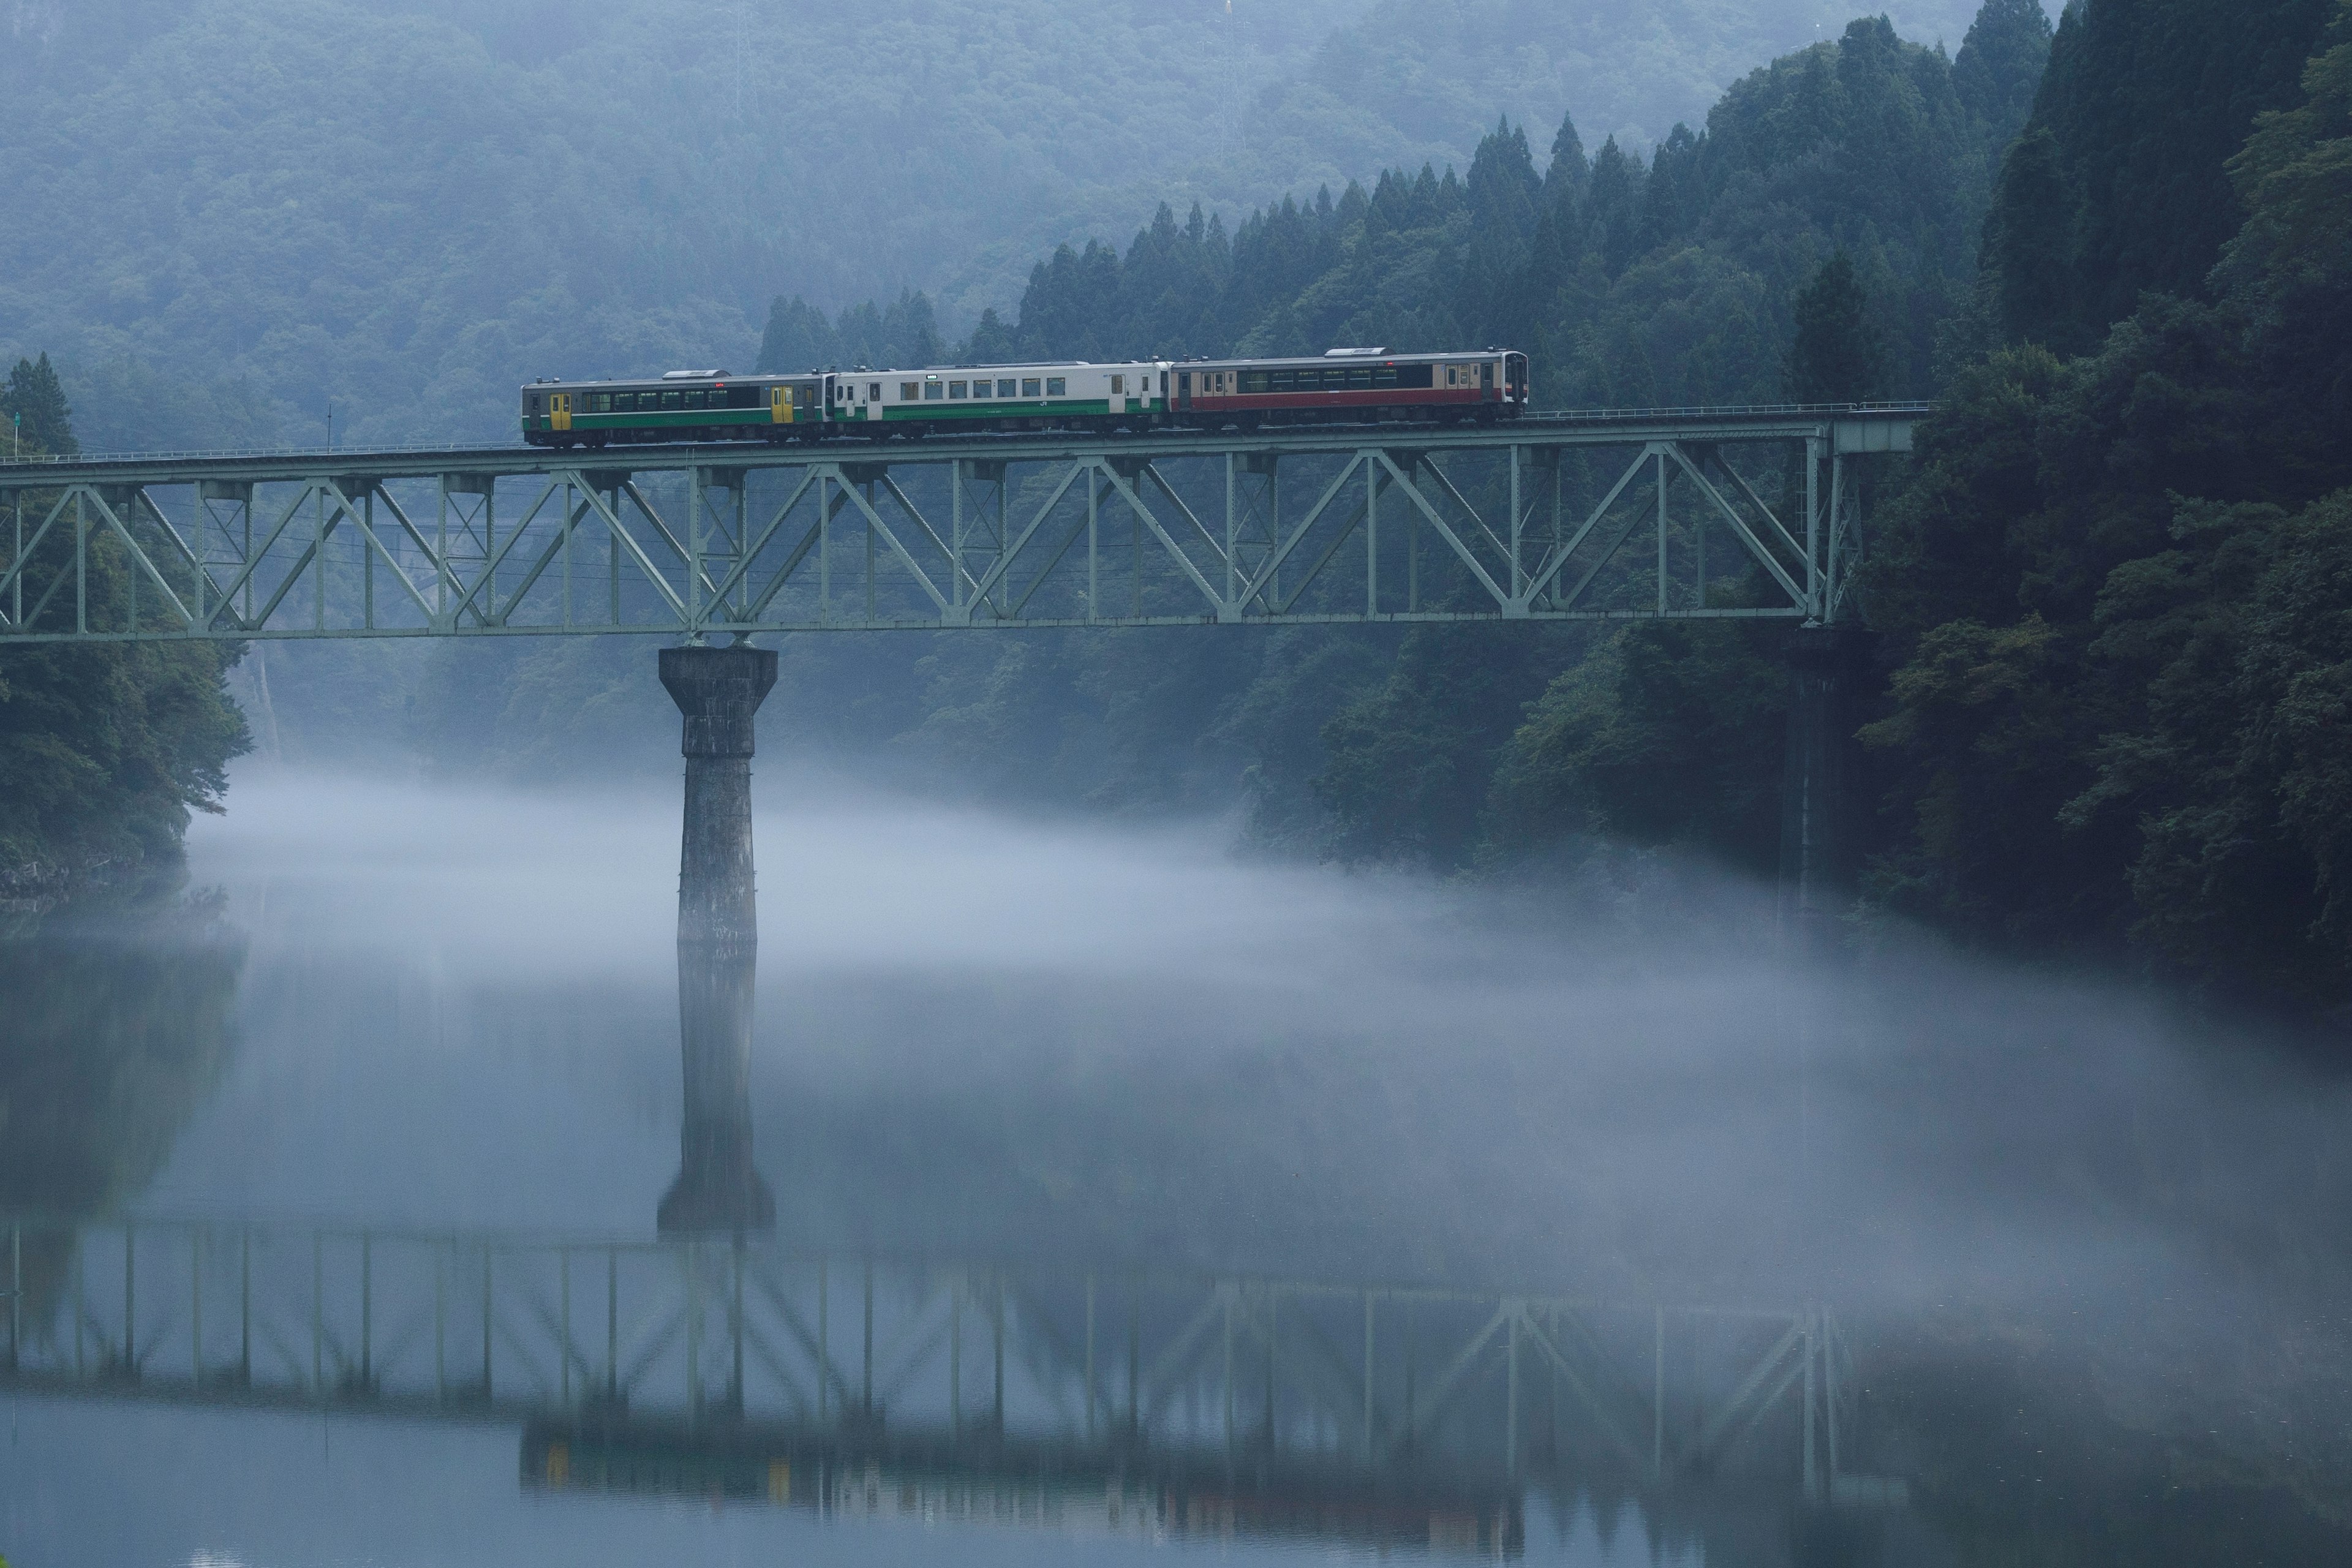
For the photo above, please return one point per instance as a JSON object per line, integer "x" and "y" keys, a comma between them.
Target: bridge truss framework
{"x": 1552, "y": 518}
{"x": 741, "y": 1343}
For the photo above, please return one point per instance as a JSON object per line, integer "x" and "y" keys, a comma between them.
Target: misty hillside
{"x": 221, "y": 214}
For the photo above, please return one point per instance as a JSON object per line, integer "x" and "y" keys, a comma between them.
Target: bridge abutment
{"x": 717, "y": 691}
{"x": 1817, "y": 837}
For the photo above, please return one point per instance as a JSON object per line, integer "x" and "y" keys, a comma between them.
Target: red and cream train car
{"x": 1367, "y": 384}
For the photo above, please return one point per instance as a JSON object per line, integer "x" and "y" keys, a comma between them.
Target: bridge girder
{"x": 734, "y": 1334}
{"x": 1407, "y": 525}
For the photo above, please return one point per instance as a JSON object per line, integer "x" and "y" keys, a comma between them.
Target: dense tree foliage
{"x": 224, "y": 213}
{"x": 105, "y": 748}
{"x": 2115, "y": 595}
{"x": 2117, "y": 187}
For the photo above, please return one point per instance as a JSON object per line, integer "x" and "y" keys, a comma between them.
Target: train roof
{"x": 1336, "y": 357}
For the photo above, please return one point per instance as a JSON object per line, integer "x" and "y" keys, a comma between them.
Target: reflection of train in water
{"x": 1344, "y": 386}
{"x": 1038, "y": 1490}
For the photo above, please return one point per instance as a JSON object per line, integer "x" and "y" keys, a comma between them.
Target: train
{"x": 1343, "y": 386}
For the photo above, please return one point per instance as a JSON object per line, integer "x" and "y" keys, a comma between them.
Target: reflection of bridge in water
{"x": 1052, "y": 1396}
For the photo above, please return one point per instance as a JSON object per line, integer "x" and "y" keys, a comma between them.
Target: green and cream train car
{"x": 714, "y": 405}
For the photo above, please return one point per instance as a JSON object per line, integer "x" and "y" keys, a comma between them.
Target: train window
{"x": 933, "y": 391}
{"x": 1254, "y": 381}
{"x": 1285, "y": 380}
{"x": 1486, "y": 377}
{"x": 1360, "y": 379}
{"x": 955, "y": 391}
{"x": 1119, "y": 386}
{"x": 1384, "y": 375}
{"x": 909, "y": 390}
{"x": 1416, "y": 376}
{"x": 1057, "y": 386}
{"x": 1006, "y": 389}
{"x": 1030, "y": 386}
{"x": 694, "y": 398}
{"x": 873, "y": 392}
{"x": 672, "y": 399}
{"x": 534, "y": 401}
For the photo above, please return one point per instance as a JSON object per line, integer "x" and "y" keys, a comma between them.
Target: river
{"x": 1129, "y": 1199}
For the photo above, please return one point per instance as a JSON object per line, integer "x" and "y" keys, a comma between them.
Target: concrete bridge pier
{"x": 1817, "y": 838}
{"x": 717, "y": 690}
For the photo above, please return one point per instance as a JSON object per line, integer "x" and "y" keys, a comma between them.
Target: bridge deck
{"x": 1525, "y": 521}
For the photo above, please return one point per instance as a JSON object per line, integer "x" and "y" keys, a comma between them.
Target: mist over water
{"x": 1018, "y": 1038}
{"x": 1027, "y": 1041}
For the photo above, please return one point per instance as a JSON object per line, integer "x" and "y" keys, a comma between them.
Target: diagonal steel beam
{"x": 744, "y": 566}
{"x": 1150, "y": 520}
{"x": 1739, "y": 524}
{"x": 988, "y": 582}
{"x": 1307, "y": 578}
{"x": 1779, "y": 528}
{"x": 547, "y": 556}
{"x": 1157, "y": 478}
{"x": 252, "y": 564}
{"x": 946, "y": 551}
{"x": 833, "y": 506}
{"x": 155, "y": 515}
{"x": 1720, "y": 1422}
{"x": 15, "y": 568}
{"x": 139, "y": 555}
{"x": 1612, "y": 1427}
{"x": 488, "y": 613}
{"x": 1501, "y": 549}
{"x": 1445, "y": 529}
{"x": 1273, "y": 563}
{"x": 669, "y": 536}
{"x": 636, "y": 552}
{"x": 889, "y": 537}
{"x": 1560, "y": 554}
{"x": 1449, "y": 1382}
{"x": 368, "y": 535}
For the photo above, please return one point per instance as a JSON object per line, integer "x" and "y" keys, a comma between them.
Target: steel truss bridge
{"x": 738, "y": 1366}
{"x": 1554, "y": 517}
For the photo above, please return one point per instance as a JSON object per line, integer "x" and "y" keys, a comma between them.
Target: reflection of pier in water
{"x": 1047, "y": 1395}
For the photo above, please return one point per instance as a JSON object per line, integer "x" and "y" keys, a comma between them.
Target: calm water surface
{"x": 1129, "y": 1201}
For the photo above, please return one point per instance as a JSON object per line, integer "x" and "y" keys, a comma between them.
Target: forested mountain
{"x": 2114, "y": 591}
{"x": 1669, "y": 278}
{"x": 2107, "y": 698}
{"x": 222, "y": 213}
{"x": 2118, "y": 185}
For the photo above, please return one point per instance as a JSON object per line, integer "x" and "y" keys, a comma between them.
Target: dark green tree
{"x": 2145, "y": 101}
{"x": 1999, "y": 66}
{"x": 104, "y": 748}
{"x": 35, "y": 404}
{"x": 1836, "y": 355}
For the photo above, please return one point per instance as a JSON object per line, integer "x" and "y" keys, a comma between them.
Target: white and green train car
{"x": 999, "y": 396}
{"x": 693, "y": 405}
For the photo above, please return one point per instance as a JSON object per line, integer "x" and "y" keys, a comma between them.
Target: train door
{"x": 1486, "y": 381}
{"x": 559, "y": 411}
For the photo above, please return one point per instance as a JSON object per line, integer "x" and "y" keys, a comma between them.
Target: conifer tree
{"x": 35, "y": 402}
{"x": 1837, "y": 355}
